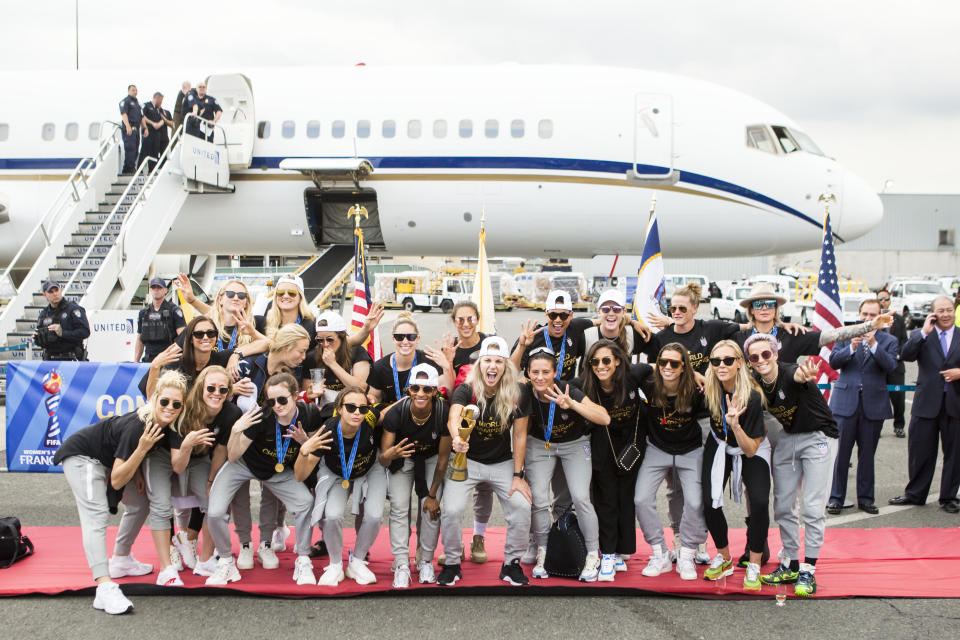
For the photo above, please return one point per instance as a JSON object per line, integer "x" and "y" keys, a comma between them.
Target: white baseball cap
{"x": 424, "y": 374}
{"x": 558, "y": 300}
{"x": 494, "y": 346}
{"x": 612, "y": 295}
{"x": 331, "y": 321}
{"x": 289, "y": 278}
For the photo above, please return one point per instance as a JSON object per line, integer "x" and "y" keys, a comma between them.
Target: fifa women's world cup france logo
{"x": 51, "y": 384}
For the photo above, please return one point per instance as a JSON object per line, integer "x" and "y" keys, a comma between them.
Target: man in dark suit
{"x": 860, "y": 403}
{"x": 898, "y": 376}
{"x": 936, "y": 407}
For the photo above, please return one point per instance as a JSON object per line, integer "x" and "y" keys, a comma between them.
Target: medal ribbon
{"x": 548, "y": 429}
{"x": 346, "y": 466}
{"x": 396, "y": 380}
{"x": 282, "y": 450}
{"x": 563, "y": 352}
{"x": 233, "y": 340}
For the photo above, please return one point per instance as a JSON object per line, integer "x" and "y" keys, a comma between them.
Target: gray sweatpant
{"x": 190, "y": 487}
{"x": 802, "y": 459}
{"x": 159, "y": 476}
{"x": 654, "y": 468}
{"x": 399, "y": 485}
{"x": 231, "y": 478}
{"x": 88, "y": 481}
{"x": 516, "y": 509}
{"x": 272, "y": 514}
{"x": 574, "y": 459}
{"x": 331, "y": 501}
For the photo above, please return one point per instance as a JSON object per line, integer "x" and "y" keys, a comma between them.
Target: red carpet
{"x": 910, "y": 563}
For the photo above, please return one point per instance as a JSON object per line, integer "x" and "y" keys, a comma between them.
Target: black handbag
{"x": 13, "y": 545}
{"x": 566, "y": 549}
{"x": 627, "y": 457}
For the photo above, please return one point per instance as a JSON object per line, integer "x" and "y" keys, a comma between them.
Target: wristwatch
{"x": 518, "y": 474}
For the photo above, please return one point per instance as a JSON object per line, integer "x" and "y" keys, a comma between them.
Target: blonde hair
{"x": 169, "y": 380}
{"x": 194, "y": 410}
{"x": 508, "y": 391}
{"x": 405, "y": 317}
{"x": 216, "y": 313}
{"x": 287, "y": 336}
{"x": 744, "y": 384}
{"x": 691, "y": 291}
{"x": 272, "y": 317}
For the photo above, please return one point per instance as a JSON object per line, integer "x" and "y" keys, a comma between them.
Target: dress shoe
{"x": 869, "y": 507}
{"x": 902, "y": 500}
{"x": 898, "y": 431}
{"x": 950, "y": 507}
{"x": 834, "y": 508}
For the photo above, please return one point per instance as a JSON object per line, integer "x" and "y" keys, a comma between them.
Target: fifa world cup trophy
{"x": 458, "y": 468}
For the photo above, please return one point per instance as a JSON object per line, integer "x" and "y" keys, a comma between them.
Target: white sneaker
{"x": 702, "y": 556}
{"x": 530, "y": 555}
{"x": 620, "y": 562}
{"x": 539, "y": 571}
{"x": 109, "y": 598}
{"x": 332, "y": 575}
{"x": 123, "y": 566}
{"x": 427, "y": 574}
{"x": 175, "y": 559}
{"x": 659, "y": 562}
{"x": 591, "y": 568}
{"x": 685, "y": 566}
{"x": 226, "y": 572}
{"x": 245, "y": 559}
{"x": 206, "y": 567}
{"x": 303, "y": 570}
{"x": 169, "y": 578}
{"x": 357, "y": 570}
{"x": 266, "y": 556}
{"x": 401, "y": 577}
{"x": 607, "y": 568}
{"x": 278, "y": 541}
{"x": 187, "y": 549}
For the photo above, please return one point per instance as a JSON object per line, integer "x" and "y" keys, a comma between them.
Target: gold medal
{"x": 546, "y": 445}
{"x": 345, "y": 484}
{"x": 278, "y": 467}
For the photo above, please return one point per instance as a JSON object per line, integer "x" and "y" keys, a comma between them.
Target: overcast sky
{"x": 875, "y": 82}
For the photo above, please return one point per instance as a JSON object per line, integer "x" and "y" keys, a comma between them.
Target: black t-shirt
{"x": 220, "y": 427}
{"x": 568, "y": 425}
{"x": 261, "y": 456}
{"x": 426, "y": 437}
{"x": 462, "y": 356}
{"x": 333, "y": 383}
{"x": 791, "y": 347}
{"x": 575, "y": 346}
{"x": 628, "y": 419}
{"x": 260, "y": 322}
{"x": 105, "y": 440}
{"x": 381, "y": 376}
{"x": 673, "y": 432}
{"x": 751, "y": 421}
{"x": 367, "y": 447}
{"x": 800, "y": 408}
{"x": 490, "y": 442}
{"x": 698, "y": 341}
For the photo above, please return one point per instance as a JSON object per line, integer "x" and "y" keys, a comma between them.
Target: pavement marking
{"x": 884, "y": 511}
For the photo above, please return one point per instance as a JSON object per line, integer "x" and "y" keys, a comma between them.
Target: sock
{"x": 266, "y": 545}
{"x": 479, "y": 528}
{"x": 794, "y": 565}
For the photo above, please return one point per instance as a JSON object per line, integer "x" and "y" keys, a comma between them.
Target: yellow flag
{"x": 482, "y": 289}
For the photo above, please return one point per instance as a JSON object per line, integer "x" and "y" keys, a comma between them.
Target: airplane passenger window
{"x": 94, "y": 131}
{"x": 806, "y": 142}
{"x": 338, "y": 128}
{"x": 466, "y": 128}
{"x": 4, "y": 131}
{"x": 439, "y": 128}
{"x": 363, "y": 128}
{"x": 758, "y": 138}
{"x": 491, "y": 128}
{"x": 787, "y": 143}
{"x": 288, "y": 128}
{"x": 313, "y": 129}
{"x": 47, "y": 131}
{"x": 389, "y": 128}
{"x": 263, "y": 129}
{"x": 516, "y": 129}
{"x": 413, "y": 129}
{"x": 545, "y": 128}
{"x": 72, "y": 131}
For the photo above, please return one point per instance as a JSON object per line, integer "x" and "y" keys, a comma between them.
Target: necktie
{"x": 943, "y": 346}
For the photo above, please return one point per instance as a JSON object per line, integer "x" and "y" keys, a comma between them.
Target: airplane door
{"x": 235, "y": 95}
{"x": 653, "y": 139}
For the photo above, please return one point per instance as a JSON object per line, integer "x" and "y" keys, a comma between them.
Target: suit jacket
{"x": 863, "y": 373}
{"x": 899, "y": 331}
{"x": 928, "y": 354}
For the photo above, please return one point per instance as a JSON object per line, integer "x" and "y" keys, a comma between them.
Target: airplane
{"x": 562, "y": 160}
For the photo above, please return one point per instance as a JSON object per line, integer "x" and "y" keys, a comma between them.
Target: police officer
{"x": 898, "y": 376}
{"x": 156, "y": 119}
{"x": 184, "y": 104}
{"x": 158, "y": 324}
{"x": 207, "y": 108}
{"x": 132, "y": 115}
{"x": 61, "y": 326}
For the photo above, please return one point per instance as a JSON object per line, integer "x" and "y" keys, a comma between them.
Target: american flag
{"x": 826, "y": 311}
{"x": 361, "y": 297}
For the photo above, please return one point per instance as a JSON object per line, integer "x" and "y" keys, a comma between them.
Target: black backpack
{"x": 13, "y": 545}
{"x": 566, "y": 549}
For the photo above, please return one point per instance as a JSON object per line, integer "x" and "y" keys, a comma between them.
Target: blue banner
{"x": 49, "y": 401}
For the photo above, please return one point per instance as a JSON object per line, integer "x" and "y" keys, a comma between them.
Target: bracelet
{"x": 432, "y": 497}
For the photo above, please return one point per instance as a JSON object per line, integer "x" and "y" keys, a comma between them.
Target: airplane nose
{"x": 861, "y": 208}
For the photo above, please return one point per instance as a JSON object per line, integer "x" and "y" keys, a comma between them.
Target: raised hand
{"x": 296, "y": 432}
{"x": 248, "y": 419}
{"x": 448, "y": 347}
{"x": 171, "y": 354}
{"x": 152, "y": 433}
{"x": 735, "y": 409}
{"x": 374, "y": 315}
{"x": 883, "y": 320}
{"x": 562, "y": 398}
{"x": 402, "y": 449}
{"x": 808, "y": 371}
{"x": 659, "y": 322}
{"x": 528, "y": 331}
{"x": 199, "y": 438}
{"x": 319, "y": 441}
{"x": 184, "y": 285}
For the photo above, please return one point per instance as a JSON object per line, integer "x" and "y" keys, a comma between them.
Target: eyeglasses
{"x": 349, "y": 407}
{"x": 547, "y": 350}
{"x": 214, "y": 389}
{"x": 290, "y": 293}
{"x": 167, "y": 401}
{"x": 666, "y": 363}
{"x": 465, "y": 320}
{"x": 409, "y": 337}
{"x": 763, "y": 304}
{"x": 282, "y": 401}
{"x": 766, "y": 354}
{"x": 610, "y": 309}
{"x": 416, "y": 388}
{"x": 727, "y": 361}
{"x": 209, "y": 333}
{"x": 559, "y": 315}
{"x": 681, "y": 308}
{"x": 330, "y": 339}
{"x": 606, "y": 360}
{"x": 242, "y": 295}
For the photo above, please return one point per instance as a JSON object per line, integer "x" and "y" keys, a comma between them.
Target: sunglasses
{"x": 546, "y": 350}
{"x": 282, "y": 401}
{"x": 466, "y": 320}
{"x": 349, "y": 407}
{"x": 681, "y": 308}
{"x": 610, "y": 309}
{"x": 883, "y": 299}
{"x": 167, "y": 401}
{"x": 763, "y": 304}
{"x": 331, "y": 339}
{"x": 666, "y": 363}
{"x": 200, "y": 334}
{"x": 242, "y": 295}
{"x": 409, "y": 337}
{"x": 214, "y": 389}
{"x": 727, "y": 361}
{"x": 606, "y": 360}
{"x": 766, "y": 354}
{"x": 416, "y": 388}
{"x": 559, "y": 315}
{"x": 290, "y": 293}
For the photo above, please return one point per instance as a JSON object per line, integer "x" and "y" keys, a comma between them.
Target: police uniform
{"x": 131, "y": 143}
{"x": 209, "y": 107}
{"x": 156, "y": 140}
{"x": 74, "y": 329}
{"x": 158, "y": 328}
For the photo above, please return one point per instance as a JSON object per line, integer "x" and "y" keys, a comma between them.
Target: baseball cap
{"x": 158, "y": 282}
{"x": 558, "y": 300}
{"x": 494, "y": 346}
{"x": 50, "y": 284}
{"x": 331, "y": 321}
{"x": 289, "y": 278}
{"x": 614, "y": 296}
{"x": 424, "y": 374}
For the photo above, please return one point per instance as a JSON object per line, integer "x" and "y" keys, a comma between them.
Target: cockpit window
{"x": 806, "y": 142}
{"x": 758, "y": 138}
{"x": 787, "y": 143}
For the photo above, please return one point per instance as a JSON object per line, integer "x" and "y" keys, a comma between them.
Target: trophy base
{"x": 457, "y": 475}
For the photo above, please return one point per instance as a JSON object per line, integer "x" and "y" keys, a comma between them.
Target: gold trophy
{"x": 458, "y": 468}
